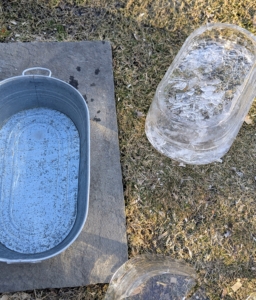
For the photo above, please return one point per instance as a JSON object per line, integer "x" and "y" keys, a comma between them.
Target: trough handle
{"x": 37, "y": 68}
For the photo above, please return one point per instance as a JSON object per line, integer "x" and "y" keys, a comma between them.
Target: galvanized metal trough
{"x": 44, "y": 166}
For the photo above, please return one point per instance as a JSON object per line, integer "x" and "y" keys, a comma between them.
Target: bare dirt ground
{"x": 204, "y": 215}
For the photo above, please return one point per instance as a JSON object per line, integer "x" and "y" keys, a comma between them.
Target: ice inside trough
{"x": 39, "y": 167}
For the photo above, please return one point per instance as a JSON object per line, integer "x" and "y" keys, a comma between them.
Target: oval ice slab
{"x": 201, "y": 102}
{"x": 39, "y": 165}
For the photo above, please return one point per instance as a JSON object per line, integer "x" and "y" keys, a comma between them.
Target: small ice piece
{"x": 182, "y": 165}
{"x": 215, "y": 81}
{"x": 178, "y": 97}
{"x": 227, "y": 234}
{"x": 194, "y": 81}
{"x": 217, "y": 97}
{"x": 181, "y": 85}
{"x": 191, "y": 92}
{"x": 240, "y": 174}
{"x": 171, "y": 100}
{"x": 208, "y": 88}
{"x": 219, "y": 160}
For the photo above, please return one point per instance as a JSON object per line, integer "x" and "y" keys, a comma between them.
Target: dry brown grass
{"x": 204, "y": 215}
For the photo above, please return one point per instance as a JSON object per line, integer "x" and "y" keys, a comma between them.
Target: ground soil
{"x": 204, "y": 215}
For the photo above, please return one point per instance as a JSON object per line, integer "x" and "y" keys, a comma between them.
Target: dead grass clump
{"x": 92, "y": 292}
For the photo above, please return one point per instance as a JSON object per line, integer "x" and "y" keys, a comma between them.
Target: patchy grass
{"x": 91, "y": 292}
{"x": 204, "y": 215}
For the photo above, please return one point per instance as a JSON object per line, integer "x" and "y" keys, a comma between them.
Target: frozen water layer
{"x": 206, "y": 80}
{"x": 39, "y": 162}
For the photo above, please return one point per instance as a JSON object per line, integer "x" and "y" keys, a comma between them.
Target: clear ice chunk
{"x": 200, "y": 104}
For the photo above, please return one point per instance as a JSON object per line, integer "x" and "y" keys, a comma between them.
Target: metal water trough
{"x": 44, "y": 166}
